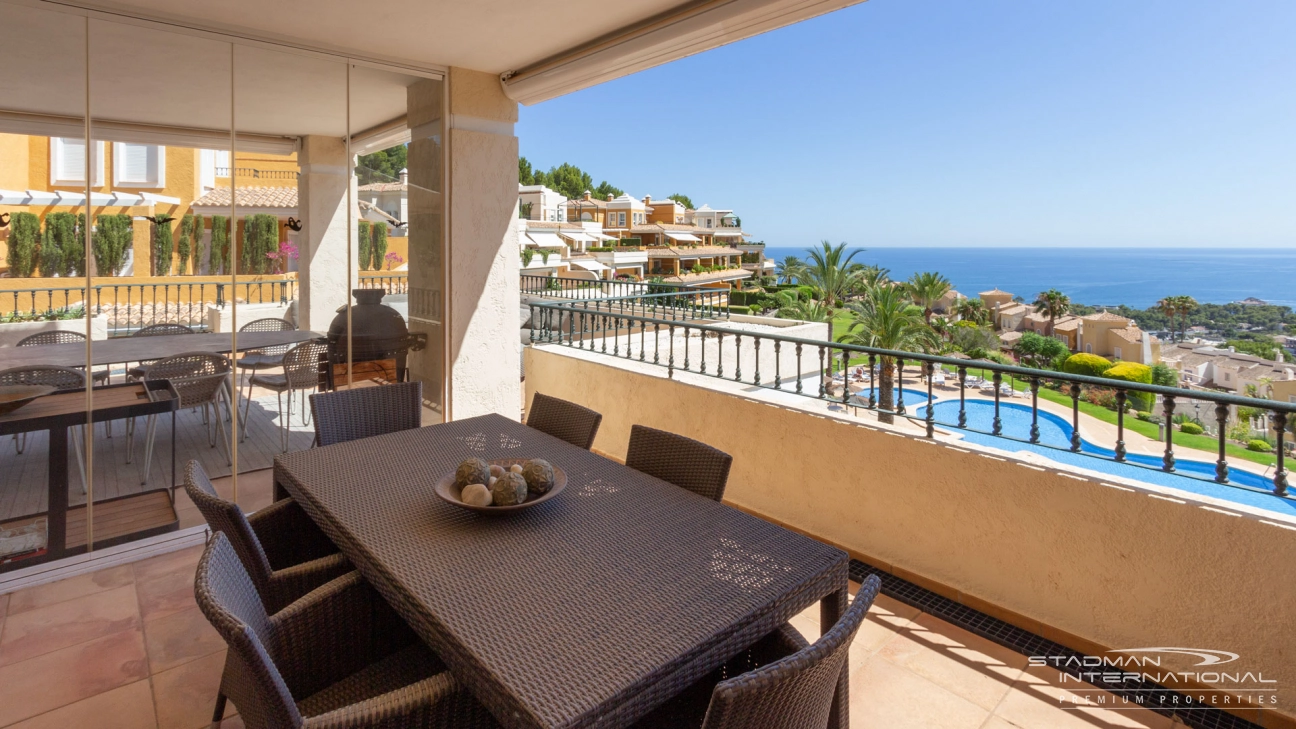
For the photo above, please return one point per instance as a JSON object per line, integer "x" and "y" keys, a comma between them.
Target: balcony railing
{"x": 794, "y": 360}
{"x": 392, "y": 283}
{"x": 258, "y": 174}
{"x": 133, "y": 306}
{"x": 575, "y": 288}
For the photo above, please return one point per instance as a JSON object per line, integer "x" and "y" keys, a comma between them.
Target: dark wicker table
{"x": 135, "y": 349}
{"x": 588, "y": 611}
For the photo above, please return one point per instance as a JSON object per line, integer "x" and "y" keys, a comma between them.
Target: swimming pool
{"x": 1056, "y": 432}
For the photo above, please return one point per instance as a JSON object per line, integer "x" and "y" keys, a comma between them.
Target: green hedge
{"x": 1086, "y": 364}
{"x": 1191, "y": 429}
{"x": 162, "y": 245}
{"x": 1259, "y": 446}
{"x": 745, "y": 298}
{"x": 260, "y": 236}
{"x": 24, "y": 236}
{"x": 366, "y": 244}
{"x": 219, "y": 254}
{"x": 184, "y": 246}
{"x": 1133, "y": 372}
{"x": 113, "y": 236}
{"x": 739, "y": 309}
{"x": 378, "y": 252}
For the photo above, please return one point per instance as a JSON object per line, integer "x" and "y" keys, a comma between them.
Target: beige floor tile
{"x": 35, "y": 632}
{"x": 233, "y": 722}
{"x": 1041, "y": 699}
{"x": 168, "y": 563}
{"x": 72, "y": 587}
{"x": 164, "y": 593}
{"x": 4, "y": 605}
{"x": 886, "y": 696}
{"x": 126, "y": 707}
{"x": 968, "y": 665}
{"x": 63, "y": 677}
{"x": 185, "y": 695}
{"x": 179, "y": 638}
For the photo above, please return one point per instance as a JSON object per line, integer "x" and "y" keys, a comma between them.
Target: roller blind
{"x": 137, "y": 162}
{"x": 71, "y": 159}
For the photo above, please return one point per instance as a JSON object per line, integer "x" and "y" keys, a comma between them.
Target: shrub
{"x": 1086, "y": 364}
{"x": 1101, "y": 396}
{"x": 745, "y": 298}
{"x": 1191, "y": 429}
{"x": 1133, "y": 372}
{"x": 378, "y": 248}
{"x": 162, "y": 245}
{"x": 260, "y": 237}
{"x": 739, "y": 309}
{"x": 528, "y": 254}
{"x": 365, "y": 236}
{"x": 24, "y": 232}
{"x": 58, "y": 227}
{"x": 113, "y": 235}
{"x": 1259, "y": 446}
{"x": 1164, "y": 375}
{"x": 184, "y": 246}
{"x": 218, "y": 261}
{"x": 1059, "y": 361}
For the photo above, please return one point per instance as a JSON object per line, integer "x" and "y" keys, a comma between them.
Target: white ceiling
{"x": 485, "y": 35}
{"x": 145, "y": 75}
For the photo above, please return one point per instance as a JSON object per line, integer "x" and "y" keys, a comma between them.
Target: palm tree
{"x": 973, "y": 310}
{"x": 880, "y": 320}
{"x": 1185, "y": 306}
{"x": 875, "y": 275}
{"x": 1052, "y": 303}
{"x": 1170, "y": 307}
{"x": 789, "y": 269}
{"x": 791, "y": 306}
{"x": 926, "y": 289}
{"x": 829, "y": 272}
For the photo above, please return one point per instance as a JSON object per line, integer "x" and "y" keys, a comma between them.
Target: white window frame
{"x": 157, "y": 178}
{"x": 56, "y": 163}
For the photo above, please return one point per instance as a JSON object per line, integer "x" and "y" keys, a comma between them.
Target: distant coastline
{"x": 1136, "y": 277}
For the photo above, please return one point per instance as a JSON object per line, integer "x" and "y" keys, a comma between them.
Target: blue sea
{"x": 1098, "y": 276}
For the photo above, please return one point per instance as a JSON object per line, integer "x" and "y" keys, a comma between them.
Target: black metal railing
{"x": 575, "y": 288}
{"x": 392, "y": 283}
{"x": 790, "y": 361}
{"x": 133, "y": 306}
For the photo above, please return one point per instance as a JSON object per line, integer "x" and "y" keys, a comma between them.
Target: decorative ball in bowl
{"x": 501, "y": 486}
{"x": 13, "y": 397}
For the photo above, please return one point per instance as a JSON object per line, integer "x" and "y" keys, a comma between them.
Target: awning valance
{"x": 721, "y": 233}
{"x": 601, "y": 236}
{"x": 682, "y": 236}
{"x": 546, "y": 240}
{"x": 46, "y": 198}
{"x": 581, "y": 237}
{"x": 594, "y": 266}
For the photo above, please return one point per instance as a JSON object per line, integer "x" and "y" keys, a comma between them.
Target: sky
{"x": 1112, "y": 123}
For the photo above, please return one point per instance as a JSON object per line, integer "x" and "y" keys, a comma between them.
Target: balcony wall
{"x": 1090, "y": 565}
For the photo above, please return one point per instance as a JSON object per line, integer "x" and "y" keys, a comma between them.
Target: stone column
{"x": 464, "y": 291}
{"x": 322, "y": 273}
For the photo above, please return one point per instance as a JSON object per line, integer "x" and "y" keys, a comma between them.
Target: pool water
{"x": 911, "y": 397}
{"x": 1056, "y": 433}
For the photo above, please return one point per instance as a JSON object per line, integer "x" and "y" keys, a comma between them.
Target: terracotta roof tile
{"x": 250, "y": 197}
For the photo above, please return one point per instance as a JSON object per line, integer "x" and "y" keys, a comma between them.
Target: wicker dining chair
{"x": 201, "y": 380}
{"x": 62, "y": 336}
{"x": 62, "y": 378}
{"x": 685, "y": 462}
{"x": 154, "y": 330}
{"x": 284, "y": 553}
{"x": 574, "y": 423}
{"x": 301, "y": 371}
{"x": 339, "y": 657}
{"x": 780, "y": 683}
{"x": 366, "y": 411}
{"x": 269, "y": 358}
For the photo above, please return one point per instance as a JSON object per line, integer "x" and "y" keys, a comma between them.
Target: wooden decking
{"x": 23, "y": 489}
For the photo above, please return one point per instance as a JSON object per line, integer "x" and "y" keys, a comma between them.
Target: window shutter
{"x": 72, "y": 159}
{"x": 134, "y": 165}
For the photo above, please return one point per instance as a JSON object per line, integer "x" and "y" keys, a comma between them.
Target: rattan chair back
{"x": 58, "y": 336}
{"x": 227, "y": 518}
{"x": 63, "y": 378}
{"x": 269, "y": 324}
{"x": 685, "y": 462}
{"x": 196, "y": 376}
{"x": 301, "y": 364}
{"x": 796, "y": 691}
{"x": 574, "y": 423}
{"x": 366, "y": 411}
{"x": 161, "y": 330}
{"x": 228, "y": 598}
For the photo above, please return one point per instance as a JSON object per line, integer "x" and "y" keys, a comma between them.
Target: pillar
{"x": 464, "y": 290}
{"x": 322, "y": 273}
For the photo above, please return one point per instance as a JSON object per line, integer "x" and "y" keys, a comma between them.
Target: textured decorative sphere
{"x": 509, "y": 489}
{"x": 476, "y": 494}
{"x": 496, "y": 470}
{"x": 473, "y": 470}
{"x": 539, "y": 475}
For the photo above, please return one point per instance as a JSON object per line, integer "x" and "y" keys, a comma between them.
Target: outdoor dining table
{"x": 117, "y": 350}
{"x": 589, "y": 610}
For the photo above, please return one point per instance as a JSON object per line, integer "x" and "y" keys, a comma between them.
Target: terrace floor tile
{"x": 179, "y": 638}
{"x": 70, "y": 588}
{"x": 35, "y": 632}
{"x": 66, "y": 676}
{"x": 125, "y": 707}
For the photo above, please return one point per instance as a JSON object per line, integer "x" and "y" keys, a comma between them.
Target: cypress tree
{"x": 379, "y": 246}
{"x": 113, "y": 234}
{"x": 365, "y": 244}
{"x": 197, "y": 242}
{"x": 24, "y": 234}
{"x": 184, "y": 246}
{"x": 162, "y": 245}
{"x": 60, "y": 229}
{"x": 218, "y": 262}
